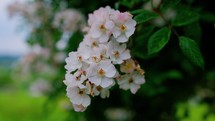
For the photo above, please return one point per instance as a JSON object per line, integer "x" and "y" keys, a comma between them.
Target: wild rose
{"x": 91, "y": 70}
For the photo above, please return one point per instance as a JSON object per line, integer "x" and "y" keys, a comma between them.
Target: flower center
{"x": 122, "y": 28}
{"x": 94, "y": 44}
{"x": 79, "y": 58}
{"x": 95, "y": 59}
{"x": 102, "y": 27}
{"x": 99, "y": 88}
{"x": 101, "y": 72}
{"x": 102, "y": 56}
{"x": 81, "y": 92}
{"x": 130, "y": 80}
{"x": 116, "y": 54}
{"x": 78, "y": 78}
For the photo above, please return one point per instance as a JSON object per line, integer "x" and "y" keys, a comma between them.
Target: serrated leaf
{"x": 145, "y": 16}
{"x": 158, "y": 40}
{"x": 191, "y": 51}
{"x": 185, "y": 16}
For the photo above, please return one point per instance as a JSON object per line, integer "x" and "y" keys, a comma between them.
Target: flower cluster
{"x": 91, "y": 70}
{"x": 68, "y": 20}
{"x": 34, "y": 13}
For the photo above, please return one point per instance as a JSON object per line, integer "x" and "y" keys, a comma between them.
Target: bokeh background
{"x": 37, "y": 35}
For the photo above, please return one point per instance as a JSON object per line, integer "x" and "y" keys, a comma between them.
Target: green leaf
{"x": 145, "y": 16}
{"x": 158, "y": 40}
{"x": 193, "y": 31}
{"x": 191, "y": 51}
{"x": 169, "y": 3}
{"x": 185, "y": 16}
{"x": 208, "y": 17}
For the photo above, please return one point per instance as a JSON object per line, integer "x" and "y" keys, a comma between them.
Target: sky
{"x": 12, "y": 38}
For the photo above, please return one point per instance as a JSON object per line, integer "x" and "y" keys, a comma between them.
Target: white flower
{"x": 99, "y": 53}
{"x": 101, "y": 30}
{"x": 90, "y": 41}
{"x": 84, "y": 50}
{"x": 118, "y": 53}
{"x": 68, "y": 20}
{"x": 101, "y": 25}
{"x": 79, "y": 108}
{"x": 131, "y": 81}
{"x": 124, "y": 26}
{"x": 102, "y": 74}
{"x": 91, "y": 71}
{"x": 74, "y": 61}
{"x": 96, "y": 90}
{"x": 128, "y": 66}
{"x": 75, "y": 79}
{"x": 78, "y": 96}
{"x": 104, "y": 92}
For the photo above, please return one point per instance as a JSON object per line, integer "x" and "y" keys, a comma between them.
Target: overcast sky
{"x": 12, "y": 39}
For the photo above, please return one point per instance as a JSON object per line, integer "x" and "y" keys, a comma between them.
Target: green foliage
{"x": 194, "y": 31}
{"x": 208, "y": 17}
{"x": 191, "y": 51}
{"x": 158, "y": 40}
{"x": 171, "y": 79}
{"x": 5, "y": 77}
{"x": 185, "y": 16}
{"x": 144, "y": 16}
{"x": 169, "y": 3}
{"x": 194, "y": 112}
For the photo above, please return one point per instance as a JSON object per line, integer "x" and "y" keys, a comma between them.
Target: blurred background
{"x": 37, "y": 35}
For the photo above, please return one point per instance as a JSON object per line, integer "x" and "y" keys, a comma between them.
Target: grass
{"x": 20, "y": 106}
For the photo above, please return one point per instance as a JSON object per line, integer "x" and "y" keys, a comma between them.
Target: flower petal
{"x": 86, "y": 101}
{"x": 134, "y": 88}
{"x": 125, "y": 55}
{"x": 116, "y": 32}
{"x": 138, "y": 78}
{"x": 122, "y": 38}
{"x": 131, "y": 23}
{"x": 129, "y": 32}
{"x": 106, "y": 82}
{"x": 79, "y": 108}
{"x": 95, "y": 80}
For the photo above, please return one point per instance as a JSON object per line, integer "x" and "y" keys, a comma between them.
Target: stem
{"x": 157, "y": 10}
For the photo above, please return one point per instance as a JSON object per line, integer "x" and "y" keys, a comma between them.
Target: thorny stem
{"x": 157, "y": 10}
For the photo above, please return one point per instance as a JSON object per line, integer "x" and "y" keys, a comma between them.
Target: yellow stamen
{"x": 116, "y": 54}
{"x": 102, "y": 27}
{"x": 122, "y": 28}
{"x": 130, "y": 80}
{"x": 94, "y": 44}
{"x": 101, "y": 72}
